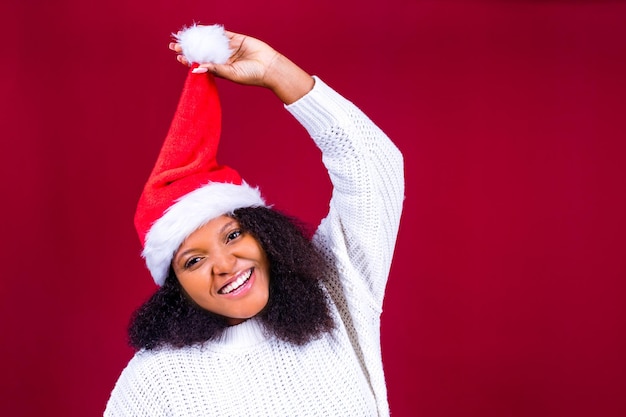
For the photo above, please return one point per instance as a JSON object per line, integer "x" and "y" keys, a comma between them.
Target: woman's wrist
{"x": 288, "y": 81}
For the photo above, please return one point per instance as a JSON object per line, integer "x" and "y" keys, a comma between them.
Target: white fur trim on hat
{"x": 189, "y": 213}
{"x": 204, "y": 44}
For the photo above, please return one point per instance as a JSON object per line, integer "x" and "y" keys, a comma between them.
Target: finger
{"x": 182, "y": 60}
{"x": 174, "y": 46}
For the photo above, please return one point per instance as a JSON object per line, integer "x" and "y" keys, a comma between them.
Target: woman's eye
{"x": 233, "y": 235}
{"x": 192, "y": 261}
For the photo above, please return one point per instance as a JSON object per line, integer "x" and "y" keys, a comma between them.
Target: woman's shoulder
{"x": 159, "y": 375}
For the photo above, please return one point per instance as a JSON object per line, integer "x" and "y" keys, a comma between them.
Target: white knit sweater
{"x": 247, "y": 373}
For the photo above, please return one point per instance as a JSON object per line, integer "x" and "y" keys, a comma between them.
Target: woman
{"x": 253, "y": 318}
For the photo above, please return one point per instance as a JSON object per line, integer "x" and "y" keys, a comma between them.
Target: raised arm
{"x": 367, "y": 173}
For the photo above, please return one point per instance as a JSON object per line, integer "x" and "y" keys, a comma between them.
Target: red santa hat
{"x": 187, "y": 187}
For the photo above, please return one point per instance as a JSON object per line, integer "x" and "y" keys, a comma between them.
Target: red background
{"x": 507, "y": 292}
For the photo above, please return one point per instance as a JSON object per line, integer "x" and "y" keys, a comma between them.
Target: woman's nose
{"x": 223, "y": 262}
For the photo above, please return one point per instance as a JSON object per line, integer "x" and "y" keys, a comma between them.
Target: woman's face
{"x": 224, "y": 270}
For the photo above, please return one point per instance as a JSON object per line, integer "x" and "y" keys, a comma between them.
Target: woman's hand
{"x": 253, "y": 62}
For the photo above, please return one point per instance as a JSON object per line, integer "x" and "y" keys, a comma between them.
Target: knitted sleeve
{"x": 359, "y": 233}
{"x": 366, "y": 170}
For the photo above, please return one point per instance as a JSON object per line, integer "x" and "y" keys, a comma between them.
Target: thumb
{"x": 208, "y": 67}
{"x": 219, "y": 70}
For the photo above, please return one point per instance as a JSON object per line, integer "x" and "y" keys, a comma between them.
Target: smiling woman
{"x": 174, "y": 317}
{"x": 252, "y": 317}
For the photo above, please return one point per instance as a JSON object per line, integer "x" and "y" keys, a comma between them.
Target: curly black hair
{"x": 297, "y": 310}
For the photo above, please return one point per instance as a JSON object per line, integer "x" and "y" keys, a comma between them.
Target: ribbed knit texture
{"x": 247, "y": 373}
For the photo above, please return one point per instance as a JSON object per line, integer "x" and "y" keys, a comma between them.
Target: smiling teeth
{"x": 236, "y": 283}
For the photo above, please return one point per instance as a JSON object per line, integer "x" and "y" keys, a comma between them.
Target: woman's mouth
{"x": 237, "y": 283}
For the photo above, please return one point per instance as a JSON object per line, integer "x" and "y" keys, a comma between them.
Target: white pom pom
{"x": 204, "y": 44}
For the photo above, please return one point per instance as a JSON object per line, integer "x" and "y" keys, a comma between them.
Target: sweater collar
{"x": 241, "y": 336}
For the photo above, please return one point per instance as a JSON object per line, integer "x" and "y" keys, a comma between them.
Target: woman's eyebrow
{"x": 226, "y": 226}
{"x": 182, "y": 254}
